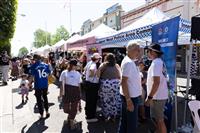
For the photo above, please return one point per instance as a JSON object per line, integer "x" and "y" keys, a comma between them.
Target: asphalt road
{"x": 24, "y": 118}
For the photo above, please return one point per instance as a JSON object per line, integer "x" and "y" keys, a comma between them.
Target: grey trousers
{"x": 4, "y": 69}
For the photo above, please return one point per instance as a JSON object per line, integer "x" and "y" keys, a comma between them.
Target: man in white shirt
{"x": 157, "y": 89}
{"x": 130, "y": 89}
{"x": 92, "y": 87}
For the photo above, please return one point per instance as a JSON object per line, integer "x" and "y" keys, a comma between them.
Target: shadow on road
{"x": 36, "y": 127}
{"x": 65, "y": 129}
{"x": 103, "y": 127}
{"x": 35, "y": 108}
{"x": 20, "y": 105}
{"x": 15, "y": 90}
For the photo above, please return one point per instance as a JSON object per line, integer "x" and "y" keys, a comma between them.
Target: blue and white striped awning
{"x": 185, "y": 26}
{"x": 139, "y": 33}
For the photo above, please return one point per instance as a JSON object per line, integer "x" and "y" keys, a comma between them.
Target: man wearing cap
{"x": 131, "y": 89}
{"x": 157, "y": 89}
{"x": 92, "y": 88}
{"x": 40, "y": 72}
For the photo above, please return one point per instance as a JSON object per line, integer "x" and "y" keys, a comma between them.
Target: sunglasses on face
{"x": 148, "y": 51}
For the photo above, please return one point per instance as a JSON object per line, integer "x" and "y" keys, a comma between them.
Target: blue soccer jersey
{"x": 40, "y": 71}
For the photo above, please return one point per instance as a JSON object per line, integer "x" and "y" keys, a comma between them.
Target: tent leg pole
{"x": 188, "y": 81}
{"x": 176, "y": 106}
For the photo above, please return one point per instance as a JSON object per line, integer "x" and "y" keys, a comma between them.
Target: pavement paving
{"x": 16, "y": 117}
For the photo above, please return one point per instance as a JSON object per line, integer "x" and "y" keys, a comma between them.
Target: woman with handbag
{"x": 71, "y": 79}
{"x": 109, "y": 73}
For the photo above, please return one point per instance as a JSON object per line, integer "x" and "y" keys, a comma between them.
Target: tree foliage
{"x": 22, "y": 52}
{"x": 8, "y": 10}
{"x": 40, "y": 38}
{"x": 61, "y": 33}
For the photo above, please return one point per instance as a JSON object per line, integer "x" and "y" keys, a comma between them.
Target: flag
{"x": 195, "y": 64}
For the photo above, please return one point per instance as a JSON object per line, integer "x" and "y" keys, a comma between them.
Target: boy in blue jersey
{"x": 40, "y": 72}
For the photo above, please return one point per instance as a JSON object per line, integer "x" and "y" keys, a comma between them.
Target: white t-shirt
{"x": 131, "y": 71}
{"x": 156, "y": 69}
{"x": 91, "y": 66}
{"x": 70, "y": 77}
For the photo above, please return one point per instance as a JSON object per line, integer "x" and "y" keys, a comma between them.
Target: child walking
{"x": 24, "y": 88}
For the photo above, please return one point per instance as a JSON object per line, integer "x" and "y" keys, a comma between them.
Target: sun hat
{"x": 156, "y": 48}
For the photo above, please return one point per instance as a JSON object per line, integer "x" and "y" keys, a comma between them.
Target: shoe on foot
{"x": 41, "y": 117}
{"x": 5, "y": 83}
{"x": 47, "y": 115}
{"x": 27, "y": 98}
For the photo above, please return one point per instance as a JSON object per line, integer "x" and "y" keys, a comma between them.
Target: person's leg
{"x": 66, "y": 108}
{"x": 196, "y": 85}
{"x": 88, "y": 105}
{"x": 38, "y": 95}
{"x": 73, "y": 110}
{"x": 72, "y": 114}
{"x": 5, "y": 70}
{"x": 123, "y": 118}
{"x": 94, "y": 98}
{"x": 132, "y": 117}
{"x": 158, "y": 113}
{"x": 22, "y": 98}
{"x": 161, "y": 126}
{"x": 46, "y": 104}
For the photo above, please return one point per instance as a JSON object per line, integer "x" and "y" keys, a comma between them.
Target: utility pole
{"x": 70, "y": 16}
{"x": 46, "y": 32}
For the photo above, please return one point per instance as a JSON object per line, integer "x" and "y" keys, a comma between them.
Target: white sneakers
{"x": 92, "y": 120}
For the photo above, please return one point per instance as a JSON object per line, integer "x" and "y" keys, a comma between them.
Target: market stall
{"x": 87, "y": 43}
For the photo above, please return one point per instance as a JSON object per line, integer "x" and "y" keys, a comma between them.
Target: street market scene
{"x": 118, "y": 66}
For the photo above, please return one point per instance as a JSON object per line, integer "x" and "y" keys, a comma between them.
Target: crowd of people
{"x": 121, "y": 92}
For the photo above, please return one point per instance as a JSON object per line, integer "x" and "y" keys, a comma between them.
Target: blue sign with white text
{"x": 166, "y": 34}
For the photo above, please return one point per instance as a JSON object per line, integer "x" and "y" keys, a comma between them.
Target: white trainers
{"x": 92, "y": 120}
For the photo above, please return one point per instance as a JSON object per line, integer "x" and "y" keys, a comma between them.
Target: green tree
{"x": 22, "y": 52}
{"x": 8, "y": 10}
{"x": 61, "y": 33}
{"x": 40, "y": 38}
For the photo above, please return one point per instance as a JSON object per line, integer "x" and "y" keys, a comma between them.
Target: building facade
{"x": 185, "y": 8}
{"x": 86, "y": 27}
{"x": 111, "y": 18}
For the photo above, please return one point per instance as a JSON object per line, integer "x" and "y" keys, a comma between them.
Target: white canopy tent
{"x": 90, "y": 38}
{"x": 152, "y": 17}
{"x": 42, "y": 50}
{"x": 99, "y": 32}
{"x": 140, "y": 31}
{"x": 58, "y": 45}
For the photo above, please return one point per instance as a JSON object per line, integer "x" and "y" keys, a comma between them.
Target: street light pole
{"x": 46, "y": 31}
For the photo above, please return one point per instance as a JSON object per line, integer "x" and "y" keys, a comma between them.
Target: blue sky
{"x": 50, "y": 14}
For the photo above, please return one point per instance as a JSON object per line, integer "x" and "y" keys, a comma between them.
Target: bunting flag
{"x": 195, "y": 63}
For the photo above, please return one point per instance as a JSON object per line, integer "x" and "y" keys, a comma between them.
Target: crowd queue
{"x": 120, "y": 92}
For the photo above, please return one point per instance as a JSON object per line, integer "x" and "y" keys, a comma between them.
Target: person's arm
{"x": 92, "y": 70}
{"x": 61, "y": 80}
{"x": 157, "y": 71}
{"x": 130, "y": 106}
{"x": 156, "y": 82}
{"x": 119, "y": 71}
{"x": 99, "y": 71}
{"x": 125, "y": 74}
